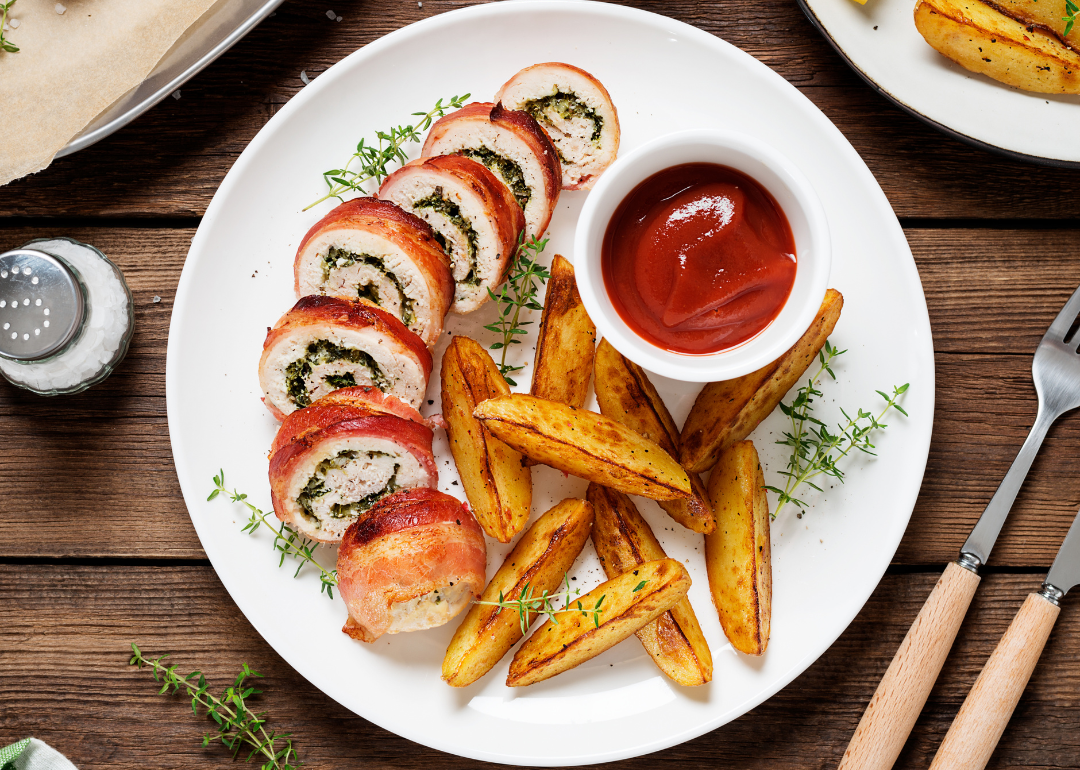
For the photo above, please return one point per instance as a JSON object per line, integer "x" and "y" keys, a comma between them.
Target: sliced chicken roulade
{"x": 474, "y": 215}
{"x": 576, "y": 111}
{"x": 414, "y": 561}
{"x": 513, "y": 146}
{"x": 371, "y": 250}
{"x": 327, "y": 343}
{"x": 331, "y": 462}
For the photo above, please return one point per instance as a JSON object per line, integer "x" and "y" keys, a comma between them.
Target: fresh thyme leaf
{"x": 529, "y": 606}
{"x": 287, "y": 541}
{"x": 374, "y": 161}
{"x": 5, "y": 44}
{"x": 815, "y": 449}
{"x": 237, "y": 725}
{"x": 639, "y": 586}
{"x": 1072, "y": 10}
{"x": 518, "y": 293}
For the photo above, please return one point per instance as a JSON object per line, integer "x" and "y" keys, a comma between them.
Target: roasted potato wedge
{"x": 738, "y": 555}
{"x": 541, "y": 558}
{"x": 626, "y": 395}
{"x": 625, "y": 604}
{"x": 584, "y": 444}
{"x": 564, "y": 350}
{"x": 624, "y": 541}
{"x": 726, "y": 412}
{"x": 495, "y": 478}
{"x": 982, "y": 39}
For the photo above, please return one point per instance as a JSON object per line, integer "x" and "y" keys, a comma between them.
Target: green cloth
{"x": 9, "y": 754}
{"x": 32, "y": 754}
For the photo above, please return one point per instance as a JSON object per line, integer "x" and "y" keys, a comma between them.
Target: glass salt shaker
{"x": 66, "y": 316}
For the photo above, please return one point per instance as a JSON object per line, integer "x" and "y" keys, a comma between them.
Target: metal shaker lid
{"x": 42, "y": 304}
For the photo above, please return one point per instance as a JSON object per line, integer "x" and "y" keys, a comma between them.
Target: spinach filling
{"x": 324, "y": 352}
{"x": 316, "y": 486}
{"x": 510, "y": 172}
{"x": 568, "y": 107}
{"x": 336, "y": 258}
{"x": 439, "y": 204}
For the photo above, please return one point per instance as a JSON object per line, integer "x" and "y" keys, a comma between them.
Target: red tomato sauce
{"x": 698, "y": 258}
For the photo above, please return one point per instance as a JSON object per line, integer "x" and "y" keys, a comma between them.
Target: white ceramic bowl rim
{"x": 777, "y": 174}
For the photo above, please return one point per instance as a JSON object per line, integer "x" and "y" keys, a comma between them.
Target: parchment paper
{"x": 71, "y": 66}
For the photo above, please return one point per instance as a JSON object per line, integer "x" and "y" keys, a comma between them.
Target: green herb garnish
{"x": 238, "y": 727}
{"x": 529, "y": 607}
{"x": 518, "y": 293}
{"x": 374, "y": 161}
{"x": 815, "y": 450}
{"x": 1072, "y": 10}
{"x": 5, "y": 44}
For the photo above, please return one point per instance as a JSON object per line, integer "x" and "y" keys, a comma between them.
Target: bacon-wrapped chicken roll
{"x": 474, "y": 215}
{"x": 326, "y": 343}
{"x": 513, "y": 146}
{"x": 331, "y": 462}
{"x": 371, "y": 250}
{"x": 414, "y": 561}
{"x": 576, "y": 111}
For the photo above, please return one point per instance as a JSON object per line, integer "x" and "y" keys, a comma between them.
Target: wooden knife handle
{"x": 899, "y": 698}
{"x": 975, "y": 731}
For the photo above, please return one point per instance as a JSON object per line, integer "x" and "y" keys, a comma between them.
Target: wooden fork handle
{"x": 887, "y": 721}
{"x": 981, "y": 721}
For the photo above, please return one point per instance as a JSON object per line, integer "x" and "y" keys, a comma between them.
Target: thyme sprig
{"x": 375, "y": 160}
{"x": 1072, "y": 10}
{"x": 238, "y": 727}
{"x": 287, "y": 541}
{"x": 815, "y": 448}
{"x": 530, "y": 606}
{"x": 518, "y": 293}
{"x": 5, "y": 44}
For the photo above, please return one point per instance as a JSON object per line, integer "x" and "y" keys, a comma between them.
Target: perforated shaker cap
{"x": 42, "y": 305}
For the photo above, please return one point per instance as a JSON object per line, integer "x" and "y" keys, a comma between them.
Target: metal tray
{"x": 212, "y": 35}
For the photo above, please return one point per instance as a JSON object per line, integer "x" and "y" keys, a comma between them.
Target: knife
{"x": 978, "y": 726}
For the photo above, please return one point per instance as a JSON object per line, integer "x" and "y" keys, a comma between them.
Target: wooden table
{"x": 99, "y": 551}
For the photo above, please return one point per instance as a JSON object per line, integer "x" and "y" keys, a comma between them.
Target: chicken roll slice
{"x": 331, "y": 462}
{"x": 474, "y": 215}
{"x": 513, "y": 146}
{"x": 371, "y": 250}
{"x": 414, "y": 561}
{"x": 576, "y": 111}
{"x": 326, "y": 343}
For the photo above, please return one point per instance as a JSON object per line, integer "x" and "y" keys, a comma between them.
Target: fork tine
{"x": 1064, "y": 321}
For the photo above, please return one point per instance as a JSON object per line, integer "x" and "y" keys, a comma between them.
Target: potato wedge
{"x": 541, "y": 558}
{"x": 626, "y": 395}
{"x": 563, "y": 364}
{"x": 626, "y": 603}
{"x": 984, "y": 40}
{"x": 738, "y": 555}
{"x": 496, "y": 481}
{"x": 623, "y": 541}
{"x": 585, "y": 444}
{"x": 726, "y": 412}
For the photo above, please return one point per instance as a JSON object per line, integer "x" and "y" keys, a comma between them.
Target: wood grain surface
{"x": 99, "y": 550}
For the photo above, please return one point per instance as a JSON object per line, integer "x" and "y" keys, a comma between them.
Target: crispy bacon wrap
{"x": 414, "y": 561}
{"x": 331, "y": 462}
{"x": 473, "y": 214}
{"x": 513, "y": 146}
{"x": 576, "y": 111}
{"x": 326, "y": 343}
{"x": 371, "y": 250}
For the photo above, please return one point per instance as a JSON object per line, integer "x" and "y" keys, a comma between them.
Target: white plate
{"x": 880, "y": 42}
{"x": 663, "y": 75}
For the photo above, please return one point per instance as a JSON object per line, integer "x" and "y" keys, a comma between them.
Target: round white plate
{"x": 663, "y": 76}
{"x": 880, "y": 42}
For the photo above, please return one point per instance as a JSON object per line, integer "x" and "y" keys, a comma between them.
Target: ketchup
{"x": 698, "y": 258}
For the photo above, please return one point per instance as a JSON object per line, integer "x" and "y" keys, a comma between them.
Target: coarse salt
{"x": 304, "y": 77}
{"x": 59, "y": 8}
{"x": 331, "y": 15}
{"x": 14, "y": 23}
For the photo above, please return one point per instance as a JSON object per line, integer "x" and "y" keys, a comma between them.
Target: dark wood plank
{"x": 171, "y": 160}
{"x": 65, "y": 631}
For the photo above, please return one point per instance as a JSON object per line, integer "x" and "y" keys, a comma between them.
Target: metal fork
{"x": 900, "y": 697}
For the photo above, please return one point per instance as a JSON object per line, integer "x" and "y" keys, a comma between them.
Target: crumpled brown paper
{"x": 71, "y": 66}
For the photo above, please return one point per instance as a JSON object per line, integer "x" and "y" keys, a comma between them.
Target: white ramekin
{"x": 775, "y": 173}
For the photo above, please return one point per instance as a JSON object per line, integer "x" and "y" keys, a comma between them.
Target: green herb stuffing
{"x": 510, "y": 172}
{"x": 316, "y": 486}
{"x": 566, "y": 106}
{"x": 324, "y": 352}
{"x": 336, "y": 259}
{"x": 439, "y": 204}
